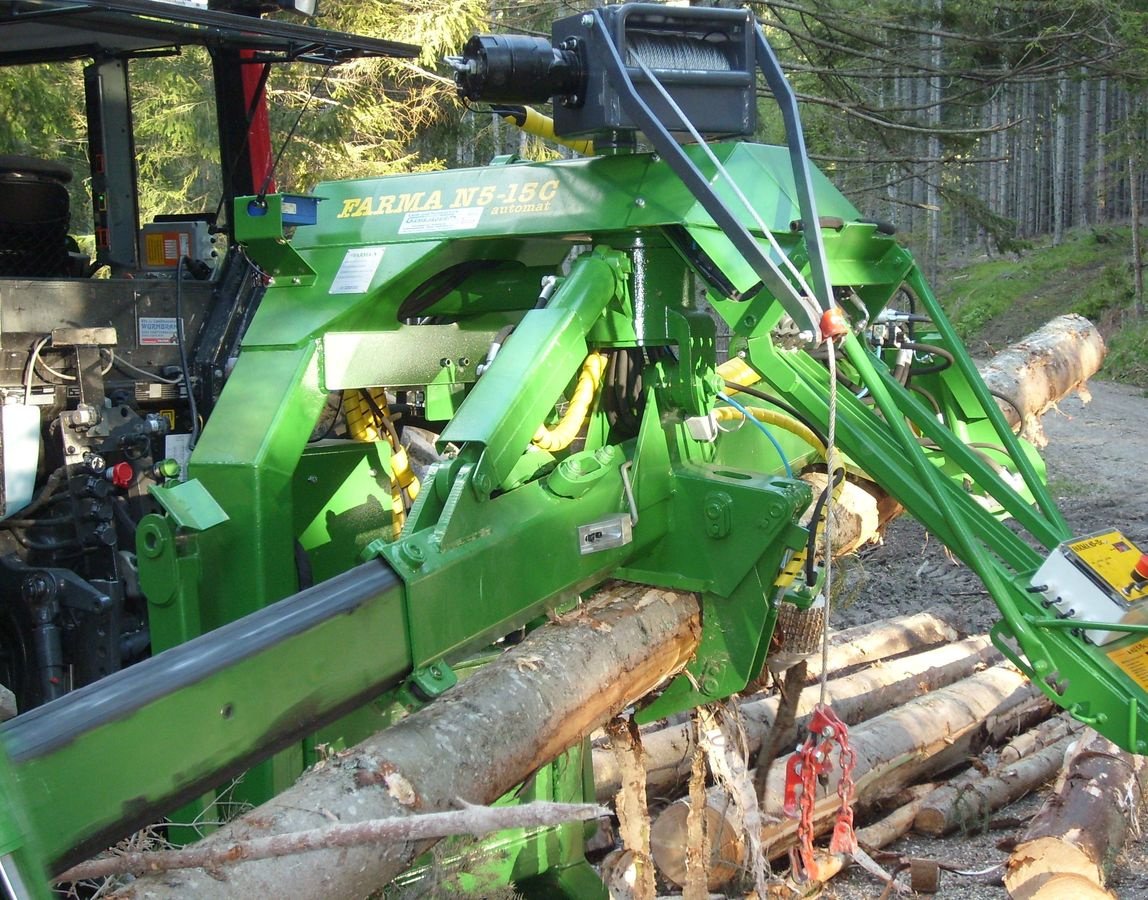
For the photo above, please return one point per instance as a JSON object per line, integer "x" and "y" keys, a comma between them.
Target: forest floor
{"x": 1099, "y": 480}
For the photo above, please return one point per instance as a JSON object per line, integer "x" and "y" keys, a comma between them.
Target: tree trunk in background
{"x": 1060, "y": 161}
{"x": 1101, "y": 166}
{"x": 1083, "y": 196}
{"x": 934, "y": 169}
{"x": 1137, "y": 244}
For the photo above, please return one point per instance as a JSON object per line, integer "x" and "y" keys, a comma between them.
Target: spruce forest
{"x": 969, "y": 124}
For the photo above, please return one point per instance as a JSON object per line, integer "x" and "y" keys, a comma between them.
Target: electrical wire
{"x": 30, "y": 367}
{"x": 773, "y": 440}
{"x": 121, "y": 363}
{"x": 181, "y": 340}
{"x": 290, "y": 134}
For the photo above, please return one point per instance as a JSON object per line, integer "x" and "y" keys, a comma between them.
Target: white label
{"x": 158, "y": 330}
{"x": 177, "y": 447}
{"x": 441, "y": 220}
{"x": 357, "y": 270}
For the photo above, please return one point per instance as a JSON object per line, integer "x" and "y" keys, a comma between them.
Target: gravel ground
{"x": 1095, "y": 462}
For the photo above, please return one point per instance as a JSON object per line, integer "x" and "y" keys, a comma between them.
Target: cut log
{"x": 475, "y": 743}
{"x": 860, "y": 512}
{"x": 854, "y": 698}
{"x": 1045, "y": 734}
{"x": 890, "y": 637}
{"x": 1070, "y": 845}
{"x": 927, "y": 735}
{"x": 1042, "y": 368}
{"x": 967, "y": 803}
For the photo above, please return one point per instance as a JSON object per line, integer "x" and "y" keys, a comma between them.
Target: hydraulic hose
{"x": 562, "y": 435}
{"x": 780, "y": 420}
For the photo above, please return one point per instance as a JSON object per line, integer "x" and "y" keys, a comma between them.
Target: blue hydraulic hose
{"x": 769, "y": 434}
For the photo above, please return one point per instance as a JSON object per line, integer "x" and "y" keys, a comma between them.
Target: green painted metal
{"x": 212, "y": 705}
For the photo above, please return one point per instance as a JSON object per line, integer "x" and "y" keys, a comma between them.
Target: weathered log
{"x": 968, "y": 802}
{"x": 927, "y": 735}
{"x": 1070, "y": 845}
{"x": 854, "y": 698}
{"x": 474, "y": 743}
{"x": 1042, "y": 368}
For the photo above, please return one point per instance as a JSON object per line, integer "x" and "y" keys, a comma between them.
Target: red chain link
{"x": 812, "y": 760}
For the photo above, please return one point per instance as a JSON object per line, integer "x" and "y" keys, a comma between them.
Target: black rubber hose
{"x": 933, "y": 349}
{"x": 818, "y": 508}
{"x": 783, "y": 406}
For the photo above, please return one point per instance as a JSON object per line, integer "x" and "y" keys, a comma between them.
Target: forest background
{"x": 976, "y": 127}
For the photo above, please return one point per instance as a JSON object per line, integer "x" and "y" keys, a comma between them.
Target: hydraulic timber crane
{"x": 543, "y": 336}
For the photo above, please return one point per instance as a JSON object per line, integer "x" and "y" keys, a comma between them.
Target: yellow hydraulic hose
{"x": 363, "y": 425}
{"x": 541, "y": 125}
{"x": 561, "y": 435}
{"x": 770, "y": 417}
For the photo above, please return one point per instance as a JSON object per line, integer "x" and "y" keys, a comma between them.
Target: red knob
{"x": 1140, "y": 570}
{"x": 122, "y": 474}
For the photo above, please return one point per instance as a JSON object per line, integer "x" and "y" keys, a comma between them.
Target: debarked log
{"x": 1042, "y": 368}
{"x": 474, "y": 744}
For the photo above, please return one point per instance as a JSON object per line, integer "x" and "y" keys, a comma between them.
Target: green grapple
{"x": 475, "y": 301}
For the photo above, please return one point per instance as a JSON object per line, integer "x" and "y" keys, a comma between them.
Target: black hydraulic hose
{"x": 46, "y": 492}
{"x": 1009, "y": 401}
{"x": 818, "y": 509}
{"x": 932, "y": 349}
{"x": 782, "y": 405}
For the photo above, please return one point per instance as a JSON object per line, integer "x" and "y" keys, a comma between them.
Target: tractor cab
{"x": 116, "y": 334}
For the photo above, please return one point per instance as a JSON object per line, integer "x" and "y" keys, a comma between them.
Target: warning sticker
{"x": 357, "y": 270}
{"x": 1133, "y": 659}
{"x": 158, "y": 330}
{"x": 1111, "y": 557}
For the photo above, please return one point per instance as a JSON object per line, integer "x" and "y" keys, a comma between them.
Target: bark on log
{"x": 925, "y": 736}
{"x": 967, "y": 803}
{"x": 1044, "y": 367}
{"x": 1046, "y": 733}
{"x": 854, "y": 698}
{"x": 474, "y": 743}
{"x": 890, "y": 637}
{"x": 1069, "y": 847}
